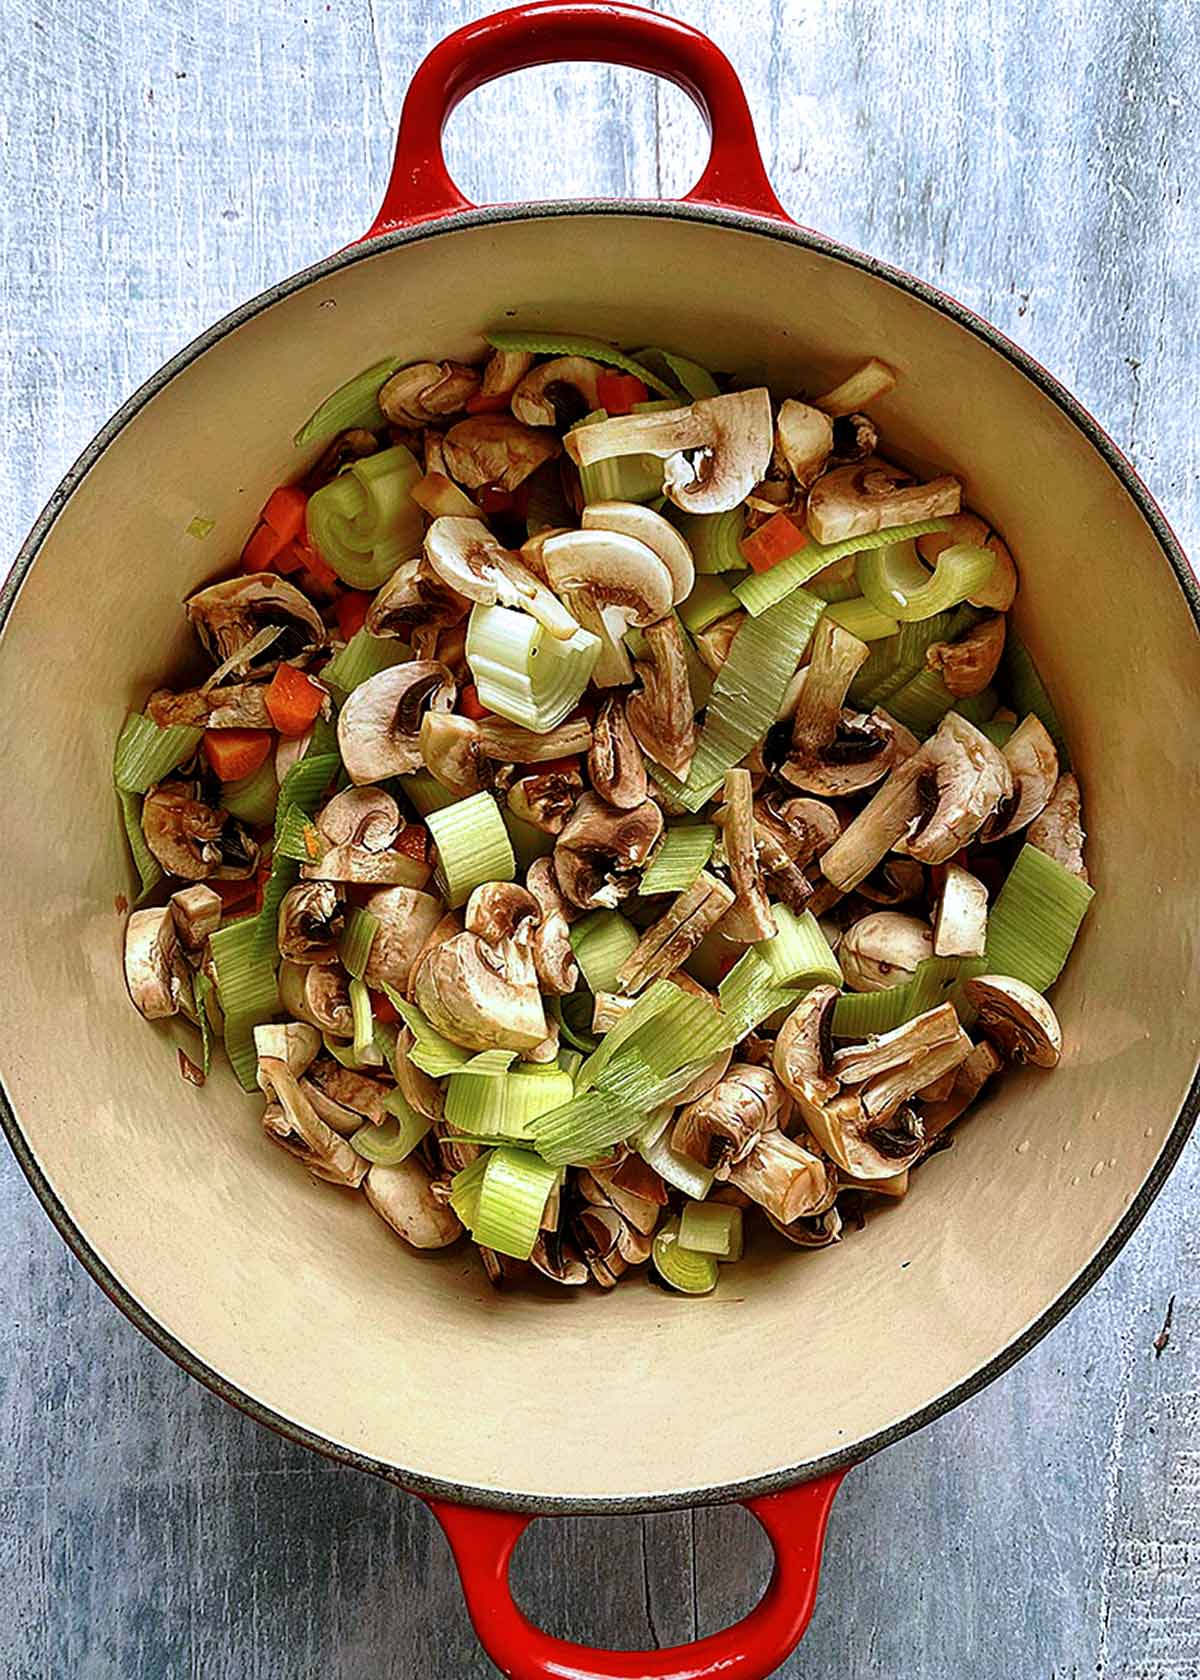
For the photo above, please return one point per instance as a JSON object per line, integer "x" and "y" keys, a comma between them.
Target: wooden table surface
{"x": 162, "y": 160}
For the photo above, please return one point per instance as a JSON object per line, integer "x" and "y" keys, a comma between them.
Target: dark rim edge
{"x": 775, "y": 1481}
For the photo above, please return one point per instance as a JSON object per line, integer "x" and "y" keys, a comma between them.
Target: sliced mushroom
{"x": 361, "y": 816}
{"x": 1059, "y": 830}
{"x": 834, "y": 752}
{"x": 496, "y": 449}
{"x": 786, "y": 1179}
{"x": 553, "y": 956}
{"x": 895, "y": 881}
{"x": 855, "y": 437}
{"x": 441, "y": 498}
{"x": 968, "y": 665}
{"x": 414, "y": 597}
{"x": 713, "y": 644}
{"x": 598, "y": 1230}
{"x": 803, "y": 1055}
{"x": 883, "y": 950}
{"x": 344, "y": 1098}
{"x": 722, "y": 1127}
{"x": 668, "y": 943}
{"x": 511, "y": 744}
{"x": 501, "y": 910}
{"x": 427, "y": 391}
{"x": 969, "y": 1079}
{"x": 542, "y": 880}
{"x": 599, "y": 855}
{"x": 814, "y": 1230}
{"x": 196, "y": 912}
{"x": 319, "y": 995}
{"x": 547, "y": 799}
{"x": 940, "y": 797}
{"x": 715, "y": 451}
{"x": 379, "y": 726}
{"x": 558, "y": 393}
{"x": 296, "y": 1043}
{"x": 227, "y": 615}
{"x": 615, "y": 764}
{"x": 882, "y": 1052}
{"x": 872, "y": 495}
{"x": 192, "y": 839}
{"x": 451, "y": 749}
{"x": 661, "y": 713}
{"x": 292, "y": 1122}
{"x": 646, "y": 526}
{"x": 749, "y": 919}
{"x": 557, "y": 1259}
{"x": 960, "y": 929}
{"x": 419, "y": 1090}
{"x": 883, "y": 1096}
{"x": 481, "y": 996}
{"x": 617, "y": 574}
{"x": 239, "y": 706}
{"x": 1001, "y": 587}
{"x": 406, "y": 920}
{"x": 1031, "y": 757}
{"x": 155, "y": 970}
{"x": 311, "y": 921}
{"x": 469, "y": 560}
{"x": 402, "y": 1198}
{"x": 1016, "y": 1018}
{"x": 607, "y": 1009}
{"x": 504, "y": 371}
{"x": 803, "y": 441}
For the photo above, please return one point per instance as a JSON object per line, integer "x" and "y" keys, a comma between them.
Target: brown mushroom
{"x": 645, "y": 525}
{"x": 713, "y": 644}
{"x": 501, "y": 910}
{"x": 360, "y": 816}
{"x": 873, "y": 495}
{"x": 292, "y": 1122}
{"x": 379, "y": 726}
{"x": 803, "y": 1055}
{"x": 882, "y": 950}
{"x": 311, "y": 922}
{"x": 504, "y": 371}
{"x": 414, "y": 597}
{"x": 421, "y": 1092}
{"x": 784, "y": 1178}
{"x": 883, "y": 1052}
{"x": 615, "y": 573}
{"x": 155, "y": 970}
{"x": 968, "y": 665}
{"x": 1016, "y": 1018}
{"x": 294, "y": 1042}
{"x": 722, "y": 1127}
{"x": 228, "y": 615}
{"x": 403, "y": 1199}
{"x": 193, "y": 839}
{"x": 558, "y": 1259}
{"x": 481, "y": 996}
{"x": 427, "y": 391}
{"x": 496, "y": 449}
{"x": 668, "y": 943}
{"x": 660, "y": 713}
{"x": 814, "y": 1230}
{"x": 615, "y": 764}
{"x": 749, "y": 917}
{"x": 406, "y": 919}
{"x": 512, "y": 744}
{"x": 451, "y": 749}
{"x": 557, "y": 393}
{"x": 542, "y": 880}
{"x": 599, "y": 855}
{"x": 238, "y": 706}
{"x": 970, "y": 1076}
{"x": 895, "y": 881}
{"x": 1032, "y": 759}
{"x": 546, "y": 799}
{"x": 1058, "y": 831}
{"x": 960, "y": 929}
{"x": 345, "y": 1099}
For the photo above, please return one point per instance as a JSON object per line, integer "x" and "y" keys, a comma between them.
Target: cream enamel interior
{"x": 295, "y": 1292}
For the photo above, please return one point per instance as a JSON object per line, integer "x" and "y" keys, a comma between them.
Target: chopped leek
{"x": 602, "y": 942}
{"x": 354, "y": 947}
{"x": 569, "y": 1062}
{"x": 574, "y": 1016}
{"x": 581, "y": 1130}
{"x": 711, "y": 599}
{"x": 747, "y": 694}
{"x": 323, "y": 742}
{"x": 714, "y": 540}
{"x": 523, "y": 672}
{"x": 763, "y": 589}
{"x": 252, "y": 799}
{"x": 300, "y": 792}
{"x": 425, "y": 793}
{"x": 692, "y": 380}
{"x": 1033, "y": 923}
{"x": 246, "y": 990}
{"x": 434, "y": 1054}
{"x": 505, "y": 1107}
{"x": 799, "y": 954}
{"x": 353, "y": 405}
{"x": 394, "y": 1141}
{"x": 297, "y": 836}
{"x": 837, "y": 582}
{"x": 860, "y": 1014}
{"x": 683, "y": 1268}
{"x": 343, "y": 1052}
{"x": 922, "y": 703}
{"x": 977, "y": 708}
{"x": 681, "y": 855}
{"x": 577, "y": 344}
{"x": 712, "y": 1228}
{"x": 896, "y": 581}
{"x": 472, "y": 847}
{"x": 360, "y": 1009}
{"x": 861, "y": 619}
{"x": 144, "y": 861}
{"x": 513, "y": 1193}
{"x": 364, "y": 522}
{"x": 679, "y": 1171}
{"x": 997, "y": 732}
{"x": 1025, "y": 692}
{"x": 146, "y": 753}
{"x": 363, "y": 657}
{"x": 898, "y": 659}
{"x": 464, "y": 1191}
{"x": 750, "y": 993}
{"x": 667, "y": 1028}
{"x": 621, "y": 478}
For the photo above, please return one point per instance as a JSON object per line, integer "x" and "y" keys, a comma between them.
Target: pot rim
{"x": 683, "y": 1498}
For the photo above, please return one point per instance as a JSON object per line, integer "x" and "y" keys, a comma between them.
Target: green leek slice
{"x": 860, "y": 1014}
{"x": 898, "y": 659}
{"x": 922, "y": 703}
{"x": 799, "y": 954}
{"x": 682, "y": 1268}
{"x": 365, "y": 522}
{"x": 574, "y": 1016}
{"x": 523, "y": 672}
{"x": 425, "y": 793}
{"x": 977, "y": 708}
{"x": 896, "y": 581}
{"x": 363, "y": 657}
{"x": 513, "y": 1193}
{"x": 677, "y": 863}
{"x": 472, "y": 847}
{"x": 464, "y": 1191}
{"x": 712, "y": 1228}
{"x": 861, "y": 619}
{"x": 997, "y": 732}
{"x": 393, "y": 1141}
{"x": 353, "y": 405}
{"x": 246, "y": 990}
{"x": 358, "y": 936}
{"x": 1025, "y": 692}
{"x": 297, "y": 837}
{"x": 763, "y": 589}
{"x": 252, "y": 799}
{"x": 582, "y": 1129}
{"x": 711, "y": 599}
{"x": 506, "y": 1107}
{"x": 603, "y": 941}
{"x": 714, "y": 540}
{"x": 692, "y": 380}
{"x": 1034, "y": 921}
{"x": 301, "y": 791}
{"x": 577, "y": 344}
{"x": 146, "y": 753}
{"x": 144, "y": 861}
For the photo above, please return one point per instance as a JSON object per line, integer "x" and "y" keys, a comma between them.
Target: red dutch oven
{"x": 295, "y": 1303}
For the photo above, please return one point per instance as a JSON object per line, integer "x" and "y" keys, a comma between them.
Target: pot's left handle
{"x": 483, "y": 1544}
{"x": 587, "y": 31}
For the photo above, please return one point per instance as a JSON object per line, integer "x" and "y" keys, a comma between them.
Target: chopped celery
{"x": 1033, "y": 923}
{"x": 577, "y": 344}
{"x": 861, "y": 619}
{"x": 763, "y": 589}
{"x": 246, "y": 990}
{"x": 425, "y": 793}
{"x": 896, "y": 581}
{"x": 144, "y": 861}
{"x": 365, "y": 523}
{"x": 252, "y": 799}
{"x": 683, "y": 1268}
{"x": 146, "y": 753}
{"x": 354, "y": 948}
{"x": 692, "y": 380}
{"x": 523, "y": 672}
{"x": 472, "y": 847}
{"x": 353, "y": 405}
{"x": 363, "y": 656}
{"x": 528, "y": 841}
{"x": 681, "y": 855}
{"x": 622, "y": 478}
{"x": 513, "y": 1193}
{"x": 1025, "y": 692}
{"x": 712, "y": 1228}
{"x": 714, "y": 540}
{"x": 505, "y": 1107}
{"x": 393, "y": 1141}
{"x": 602, "y": 942}
{"x": 360, "y": 1009}
{"x": 711, "y": 599}
{"x": 799, "y": 954}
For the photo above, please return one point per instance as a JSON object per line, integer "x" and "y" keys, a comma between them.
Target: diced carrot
{"x": 779, "y": 538}
{"x": 325, "y": 578}
{"x": 234, "y": 895}
{"x": 469, "y": 703}
{"x": 234, "y": 753}
{"x": 384, "y": 1010}
{"x": 263, "y": 549}
{"x": 289, "y": 559}
{"x": 494, "y": 402}
{"x": 412, "y": 841}
{"x": 293, "y": 700}
{"x": 284, "y": 512}
{"x": 618, "y": 392}
{"x": 350, "y": 611}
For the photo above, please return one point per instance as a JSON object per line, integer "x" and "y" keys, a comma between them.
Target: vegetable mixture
{"x": 618, "y": 804}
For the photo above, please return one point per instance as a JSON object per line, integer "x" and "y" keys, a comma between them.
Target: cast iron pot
{"x": 293, "y": 1301}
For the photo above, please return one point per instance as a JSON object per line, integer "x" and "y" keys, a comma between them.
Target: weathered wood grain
{"x": 158, "y": 163}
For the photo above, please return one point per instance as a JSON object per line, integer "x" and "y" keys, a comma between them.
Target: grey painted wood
{"x": 162, "y": 159}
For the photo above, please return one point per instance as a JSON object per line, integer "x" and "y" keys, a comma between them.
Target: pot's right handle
{"x": 590, "y": 31}
{"x": 483, "y": 1544}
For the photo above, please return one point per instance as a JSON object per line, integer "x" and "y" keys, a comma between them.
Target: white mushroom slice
{"x": 834, "y": 752}
{"x": 1016, "y": 1018}
{"x": 1059, "y": 830}
{"x": 296, "y": 1043}
{"x": 343, "y": 1098}
{"x": 501, "y": 910}
{"x": 155, "y": 970}
{"x": 227, "y": 615}
{"x": 960, "y": 929}
{"x": 196, "y": 912}
{"x": 803, "y": 1054}
{"x": 542, "y": 881}
{"x": 193, "y": 839}
{"x": 512, "y": 744}
{"x": 402, "y": 1198}
{"x": 816, "y": 1230}
{"x": 855, "y": 437}
{"x": 968, "y": 665}
{"x": 311, "y": 921}
{"x": 452, "y": 751}
{"x": 715, "y": 451}
{"x": 895, "y": 1188}
{"x": 546, "y": 800}
{"x": 940, "y": 796}
{"x": 615, "y": 572}
{"x": 749, "y": 917}
{"x": 883, "y": 950}
{"x": 441, "y": 498}
{"x": 803, "y": 440}
{"x": 553, "y": 956}
{"x": 867, "y": 1148}
{"x": 872, "y": 495}
{"x": 646, "y": 526}
{"x": 406, "y": 920}
{"x": 713, "y": 644}
{"x": 882, "y": 1096}
{"x": 599, "y": 855}
{"x": 882, "y": 1052}
{"x": 413, "y": 598}
{"x": 504, "y": 371}
{"x": 469, "y": 560}
{"x": 615, "y": 764}
{"x": 292, "y": 1122}
{"x": 317, "y": 994}
{"x": 427, "y": 391}
{"x": 379, "y": 727}
{"x": 361, "y": 816}
{"x": 496, "y": 449}
{"x": 481, "y": 996}
{"x": 419, "y": 1090}
{"x": 722, "y": 1127}
{"x": 607, "y": 1009}
{"x": 556, "y": 1259}
{"x": 668, "y": 943}
{"x": 969, "y": 1079}
{"x": 238, "y": 706}
{"x": 661, "y": 713}
{"x": 872, "y": 380}
{"x": 965, "y": 527}
{"x": 786, "y": 1179}
{"x": 558, "y": 393}
{"x": 1033, "y": 760}
{"x": 356, "y": 866}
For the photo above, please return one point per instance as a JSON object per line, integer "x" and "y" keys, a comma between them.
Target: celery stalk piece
{"x": 1025, "y": 692}
{"x": 146, "y": 753}
{"x": 602, "y": 941}
{"x": 922, "y": 703}
{"x": 523, "y": 672}
{"x": 505, "y": 1108}
{"x": 682, "y": 1268}
{"x": 363, "y": 656}
{"x": 714, "y": 540}
{"x": 896, "y": 581}
{"x": 676, "y": 864}
{"x": 622, "y": 478}
{"x": 861, "y": 619}
{"x": 691, "y": 379}
{"x": 712, "y": 1228}
{"x": 425, "y": 793}
{"x": 763, "y": 589}
{"x": 247, "y": 992}
{"x": 353, "y": 405}
{"x": 1034, "y": 921}
{"x": 679, "y": 1171}
{"x": 711, "y": 599}
{"x": 574, "y": 1016}
{"x": 577, "y": 344}
{"x": 513, "y": 1193}
{"x": 354, "y": 947}
{"x": 364, "y": 522}
{"x": 472, "y": 847}
{"x": 360, "y": 1008}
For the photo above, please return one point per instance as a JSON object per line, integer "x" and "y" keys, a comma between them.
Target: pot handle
{"x": 483, "y": 1544}
{"x": 594, "y": 31}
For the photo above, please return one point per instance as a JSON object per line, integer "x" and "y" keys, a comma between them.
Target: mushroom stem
{"x": 669, "y": 942}
{"x": 749, "y": 918}
{"x": 883, "y": 1052}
